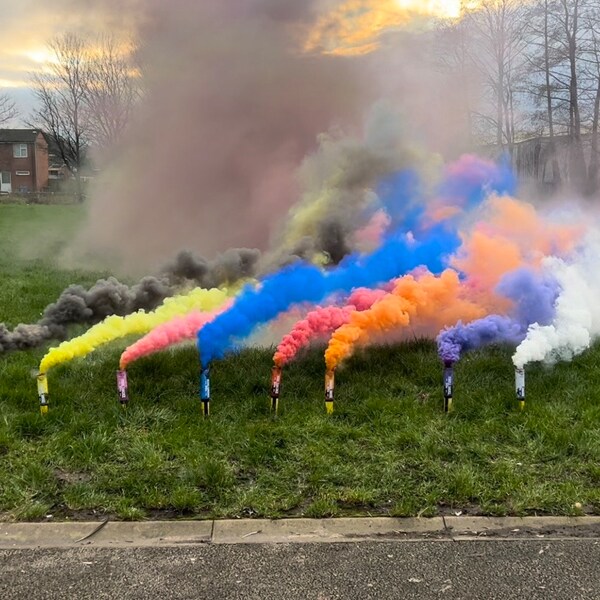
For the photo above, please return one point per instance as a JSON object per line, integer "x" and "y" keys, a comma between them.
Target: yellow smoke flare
{"x": 434, "y": 301}
{"x": 141, "y": 322}
{"x": 354, "y": 27}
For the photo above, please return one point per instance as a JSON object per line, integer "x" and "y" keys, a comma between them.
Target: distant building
{"x": 23, "y": 161}
{"x": 543, "y": 162}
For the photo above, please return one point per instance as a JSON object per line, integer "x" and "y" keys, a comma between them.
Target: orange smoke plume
{"x": 433, "y": 301}
{"x": 512, "y": 235}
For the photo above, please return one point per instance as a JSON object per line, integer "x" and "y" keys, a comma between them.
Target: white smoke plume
{"x": 577, "y": 321}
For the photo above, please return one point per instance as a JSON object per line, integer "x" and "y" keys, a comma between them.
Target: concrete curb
{"x": 263, "y": 531}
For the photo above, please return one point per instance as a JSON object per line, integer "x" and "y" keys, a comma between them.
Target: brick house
{"x": 23, "y": 160}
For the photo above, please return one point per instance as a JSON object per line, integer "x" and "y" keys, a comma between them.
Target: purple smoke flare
{"x": 534, "y": 296}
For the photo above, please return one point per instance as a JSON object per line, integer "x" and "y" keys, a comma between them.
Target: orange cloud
{"x": 354, "y": 27}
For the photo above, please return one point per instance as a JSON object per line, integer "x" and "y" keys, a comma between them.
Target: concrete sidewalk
{"x": 261, "y": 531}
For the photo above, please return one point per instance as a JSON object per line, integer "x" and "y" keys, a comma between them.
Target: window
{"x": 23, "y": 172}
{"x": 5, "y": 178}
{"x": 20, "y": 150}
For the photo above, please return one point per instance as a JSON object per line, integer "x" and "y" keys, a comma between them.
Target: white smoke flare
{"x": 577, "y": 321}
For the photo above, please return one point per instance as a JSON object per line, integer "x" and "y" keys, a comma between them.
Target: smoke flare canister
{"x": 122, "y": 387}
{"x": 275, "y": 387}
{"x": 205, "y": 391}
{"x": 42, "y": 387}
{"x": 520, "y": 387}
{"x": 448, "y": 386}
{"x": 329, "y": 389}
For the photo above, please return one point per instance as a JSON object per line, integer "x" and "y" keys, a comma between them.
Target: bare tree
{"x": 545, "y": 82}
{"x": 8, "y": 109}
{"x": 498, "y": 45}
{"x": 111, "y": 92}
{"x": 86, "y": 96}
{"x": 569, "y": 18}
{"x": 60, "y": 91}
{"x": 593, "y": 71}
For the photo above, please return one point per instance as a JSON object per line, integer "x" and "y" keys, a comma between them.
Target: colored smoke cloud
{"x": 533, "y": 295}
{"x": 230, "y": 111}
{"x": 306, "y": 283}
{"x": 175, "y": 331}
{"x": 79, "y": 306}
{"x": 115, "y": 327}
{"x": 427, "y": 299}
{"x": 577, "y": 321}
{"x": 321, "y": 322}
{"x": 398, "y": 254}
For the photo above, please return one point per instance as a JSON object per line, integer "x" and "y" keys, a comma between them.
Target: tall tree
{"x": 593, "y": 71}
{"x": 86, "y": 96}
{"x": 60, "y": 92}
{"x": 544, "y": 81}
{"x": 498, "y": 45}
{"x": 111, "y": 92}
{"x": 569, "y": 18}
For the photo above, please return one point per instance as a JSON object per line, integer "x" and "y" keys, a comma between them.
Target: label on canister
{"x": 520, "y": 382}
{"x": 205, "y": 385}
{"x": 329, "y": 385}
{"x": 448, "y": 382}
{"x": 275, "y": 381}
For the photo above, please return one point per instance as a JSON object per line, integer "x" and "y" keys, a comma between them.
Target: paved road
{"x": 486, "y": 569}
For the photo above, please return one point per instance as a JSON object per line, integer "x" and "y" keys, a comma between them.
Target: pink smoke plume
{"x": 323, "y": 321}
{"x": 168, "y": 334}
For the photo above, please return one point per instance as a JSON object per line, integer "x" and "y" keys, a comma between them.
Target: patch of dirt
{"x": 71, "y": 477}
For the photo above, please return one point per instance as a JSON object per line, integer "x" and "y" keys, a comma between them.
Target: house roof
{"x": 15, "y": 136}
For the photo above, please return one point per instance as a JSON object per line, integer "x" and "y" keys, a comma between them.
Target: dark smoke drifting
{"x": 231, "y": 108}
{"x": 78, "y": 306}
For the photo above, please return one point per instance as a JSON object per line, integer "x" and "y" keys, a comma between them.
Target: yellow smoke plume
{"x": 141, "y": 322}
{"x": 433, "y": 301}
{"x": 354, "y": 27}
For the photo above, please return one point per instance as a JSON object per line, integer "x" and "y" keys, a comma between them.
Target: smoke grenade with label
{"x": 329, "y": 390}
{"x": 42, "y": 386}
{"x": 275, "y": 387}
{"x": 520, "y": 387}
{"x": 448, "y": 386}
{"x": 205, "y": 391}
{"x": 122, "y": 387}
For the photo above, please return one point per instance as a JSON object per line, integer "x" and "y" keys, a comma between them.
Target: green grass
{"x": 388, "y": 450}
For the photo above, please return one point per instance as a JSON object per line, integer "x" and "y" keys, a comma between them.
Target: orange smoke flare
{"x": 431, "y": 300}
{"x": 512, "y": 235}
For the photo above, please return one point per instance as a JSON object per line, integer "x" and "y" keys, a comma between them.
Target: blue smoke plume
{"x": 305, "y": 283}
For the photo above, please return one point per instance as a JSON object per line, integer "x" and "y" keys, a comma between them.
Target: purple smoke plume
{"x": 534, "y": 296}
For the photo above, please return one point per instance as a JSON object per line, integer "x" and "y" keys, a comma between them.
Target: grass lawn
{"x": 387, "y": 450}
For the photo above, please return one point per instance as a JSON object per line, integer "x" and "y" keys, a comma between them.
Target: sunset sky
{"x": 27, "y": 26}
{"x": 343, "y": 27}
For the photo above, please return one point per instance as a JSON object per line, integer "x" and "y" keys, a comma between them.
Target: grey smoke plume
{"x": 339, "y": 182}
{"x": 77, "y": 305}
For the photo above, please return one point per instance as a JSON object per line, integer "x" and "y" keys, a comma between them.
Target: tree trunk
{"x": 556, "y": 176}
{"x": 577, "y": 167}
{"x": 594, "y": 169}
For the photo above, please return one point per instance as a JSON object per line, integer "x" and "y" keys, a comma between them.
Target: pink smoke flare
{"x": 175, "y": 331}
{"x": 323, "y": 321}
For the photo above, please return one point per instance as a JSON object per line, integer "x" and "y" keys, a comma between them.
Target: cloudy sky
{"x": 27, "y": 26}
{"x": 347, "y": 27}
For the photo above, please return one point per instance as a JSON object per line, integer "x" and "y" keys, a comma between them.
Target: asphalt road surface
{"x": 524, "y": 569}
